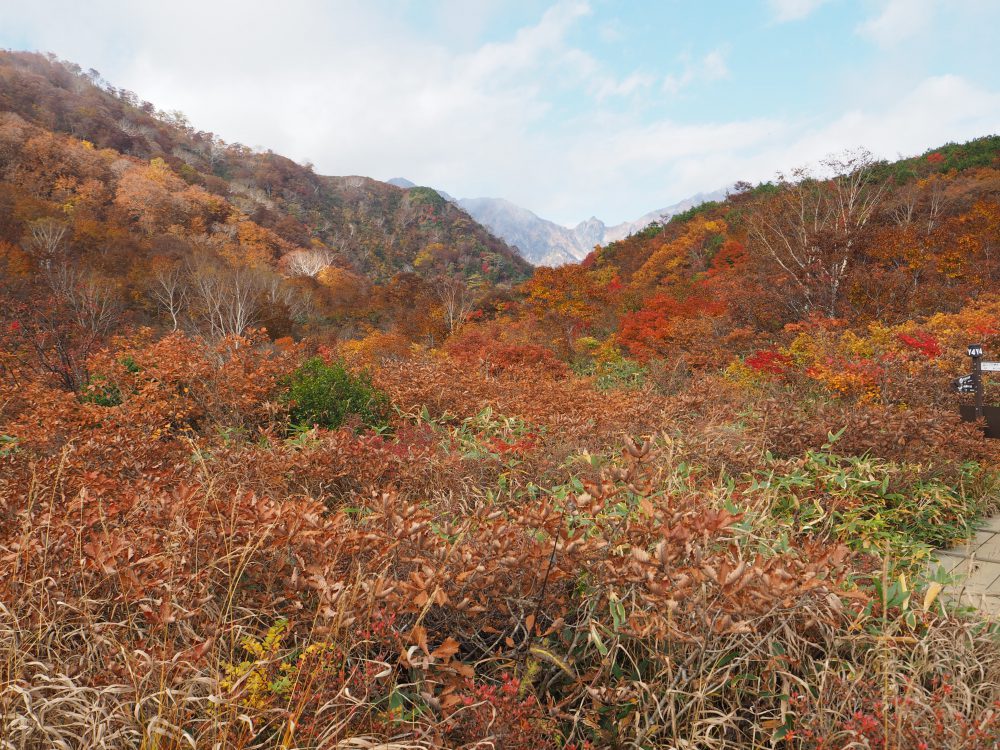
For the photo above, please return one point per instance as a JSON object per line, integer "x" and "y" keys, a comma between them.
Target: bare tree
{"x": 228, "y": 300}
{"x": 170, "y": 292}
{"x": 457, "y": 300}
{"x": 80, "y": 311}
{"x": 46, "y": 240}
{"x": 95, "y": 305}
{"x": 905, "y": 209}
{"x": 812, "y": 229}
{"x": 90, "y": 301}
{"x": 308, "y": 262}
{"x": 128, "y": 127}
{"x": 278, "y": 293}
{"x": 927, "y": 197}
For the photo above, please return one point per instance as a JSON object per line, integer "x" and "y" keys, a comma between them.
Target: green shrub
{"x": 685, "y": 216}
{"x": 425, "y": 196}
{"x": 872, "y": 505}
{"x": 618, "y": 373}
{"x": 327, "y": 395}
{"x": 8, "y": 445}
{"x": 101, "y": 392}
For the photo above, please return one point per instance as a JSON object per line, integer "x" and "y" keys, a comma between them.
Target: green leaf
{"x": 617, "y": 612}
{"x": 595, "y": 638}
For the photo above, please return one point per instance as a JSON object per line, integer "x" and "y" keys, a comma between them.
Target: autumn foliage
{"x": 289, "y": 461}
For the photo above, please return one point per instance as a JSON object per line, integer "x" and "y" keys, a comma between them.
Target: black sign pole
{"x": 976, "y": 351}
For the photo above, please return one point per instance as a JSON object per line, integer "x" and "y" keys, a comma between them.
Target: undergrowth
{"x": 496, "y": 572}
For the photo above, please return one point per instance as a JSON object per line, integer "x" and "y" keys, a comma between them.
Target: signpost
{"x": 976, "y": 352}
{"x": 973, "y": 383}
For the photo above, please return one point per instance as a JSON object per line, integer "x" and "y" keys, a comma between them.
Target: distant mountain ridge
{"x": 545, "y": 243}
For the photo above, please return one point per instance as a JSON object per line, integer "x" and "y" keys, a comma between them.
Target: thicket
{"x": 506, "y": 565}
{"x": 327, "y": 395}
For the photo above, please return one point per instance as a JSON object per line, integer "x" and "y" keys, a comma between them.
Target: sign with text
{"x": 964, "y": 384}
{"x": 973, "y": 384}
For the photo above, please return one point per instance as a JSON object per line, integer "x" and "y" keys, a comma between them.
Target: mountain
{"x": 540, "y": 242}
{"x": 623, "y": 230}
{"x": 544, "y": 243}
{"x": 365, "y": 226}
{"x": 402, "y": 182}
{"x": 167, "y": 225}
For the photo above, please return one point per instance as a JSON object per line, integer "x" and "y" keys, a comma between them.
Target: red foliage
{"x": 770, "y": 361}
{"x": 513, "y": 719}
{"x": 486, "y": 347}
{"x": 666, "y": 323}
{"x": 923, "y": 342}
{"x": 897, "y": 721}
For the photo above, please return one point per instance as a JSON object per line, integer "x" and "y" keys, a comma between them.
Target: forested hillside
{"x": 95, "y": 176}
{"x": 878, "y": 242}
{"x": 289, "y": 461}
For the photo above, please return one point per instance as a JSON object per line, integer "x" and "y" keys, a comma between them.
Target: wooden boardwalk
{"x": 976, "y": 567}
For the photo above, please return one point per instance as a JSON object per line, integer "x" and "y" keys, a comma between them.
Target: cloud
{"x": 630, "y": 85}
{"x": 793, "y": 10}
{"x": 676, "y": 161}
{"x": 611, "y": 31}
{"x": 535, "y": 115}
{"x": 711, "y": 67}
{"x": 714, "y": 66}
{"x": 898, "y": 20}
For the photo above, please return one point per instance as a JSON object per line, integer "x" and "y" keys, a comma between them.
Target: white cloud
{"x": 680, "y": 161}
{"x": 611, "y": 31}
{"x": 534, "y": 117}
{"x": 898, "y": 20}
{"x": 793, "y": 10}
{"x": 714, "y": 65}
{"x": 711, "y": 67}
{"x": 630, "y": 85}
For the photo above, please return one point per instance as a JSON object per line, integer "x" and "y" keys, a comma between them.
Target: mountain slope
{"x": 545, "y": 243}
{"x": 623, "y": 230}
{"x": 540, "y": 242}
{"x": 370, "y": 227}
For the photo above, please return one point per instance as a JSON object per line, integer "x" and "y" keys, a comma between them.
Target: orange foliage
{"x": 666, "y": 325}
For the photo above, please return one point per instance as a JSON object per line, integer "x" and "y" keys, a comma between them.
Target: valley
{"x": 290, "y": 460}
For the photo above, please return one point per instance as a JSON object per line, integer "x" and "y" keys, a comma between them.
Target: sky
{"x": 571, "y": 108}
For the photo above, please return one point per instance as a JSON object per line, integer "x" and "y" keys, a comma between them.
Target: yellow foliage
{"x": 739, "y": 374}
{"x": 803, "y": 350}
{"x": 260, "y": 680}
{"x": 671, "y": 261}
{"x": 855, "y": 346}
{"x": 376, "y": 347}
{"x": 251, "y": 677}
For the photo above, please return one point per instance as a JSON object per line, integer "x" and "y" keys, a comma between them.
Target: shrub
{"x": 617, "y": 373}
{"x": 327, "y": 395}
{"x": 101, "y": 392}
{"x": 513, "y": 358}
{"x": 898, "y": 509}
